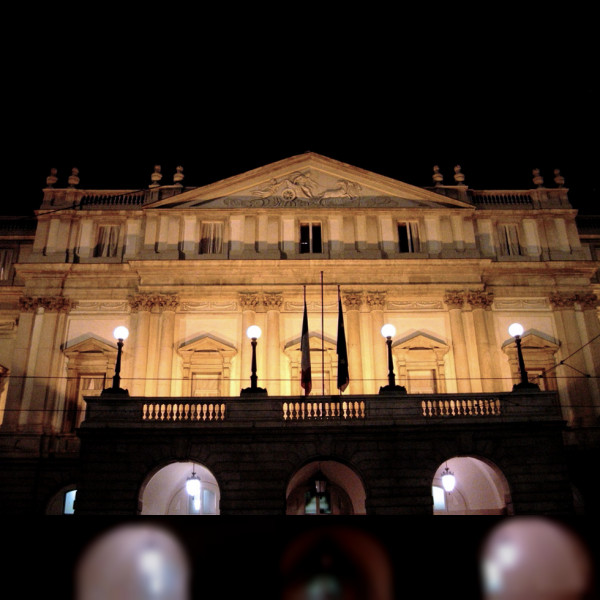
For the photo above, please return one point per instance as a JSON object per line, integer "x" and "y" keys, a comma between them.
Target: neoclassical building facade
{"x": 189, "y": 269}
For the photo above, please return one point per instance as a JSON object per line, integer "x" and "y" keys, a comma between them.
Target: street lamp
{"x": 120, "y": 333}
{"x": 516, "y": 330}
{"x": 388, "y": 331}
{"x": 253, "y": 332}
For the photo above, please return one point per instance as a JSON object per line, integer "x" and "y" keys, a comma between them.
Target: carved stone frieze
{"x": 414, "y": 305}
{"x": 199, "y": 306}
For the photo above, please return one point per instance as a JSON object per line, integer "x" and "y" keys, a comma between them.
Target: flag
{"x": 306, "y": 380}
{"x": 343, "y": 376}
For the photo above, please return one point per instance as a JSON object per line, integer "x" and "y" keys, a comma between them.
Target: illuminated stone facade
{"x": 188, "y": 270}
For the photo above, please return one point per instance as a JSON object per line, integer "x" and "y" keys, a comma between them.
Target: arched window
{"x": 63, "y": 502}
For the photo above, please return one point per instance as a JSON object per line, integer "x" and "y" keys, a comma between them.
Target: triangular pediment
{"x": 420, "y": 341}
{"x": 308, "y": 180}
{"x": 207, "y": 343}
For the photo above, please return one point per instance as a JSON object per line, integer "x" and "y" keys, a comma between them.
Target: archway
{"x": 480, "y": 488}
{"x": 165, "y": 492}
{"x": 325, "y": 487}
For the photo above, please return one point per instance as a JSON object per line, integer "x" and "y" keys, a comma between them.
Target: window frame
{"x": 311, "y": 225}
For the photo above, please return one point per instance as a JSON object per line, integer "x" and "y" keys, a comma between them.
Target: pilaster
{"x": 272, "y": 302}
{"x": 353, "y": 302}
{"x": 376, "y": 304}
{"x": 454, "y": 301}
{"x": 480, "y": 302}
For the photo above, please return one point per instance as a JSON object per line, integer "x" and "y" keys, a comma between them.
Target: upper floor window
{"x": 107, "y": 241}
{"x": 408, "y": 237}
{"x": 211, "y": 237}
{"x": 310, "y": 238}
{"x": 509, "y": 239}
{"x": 7, "y": 258}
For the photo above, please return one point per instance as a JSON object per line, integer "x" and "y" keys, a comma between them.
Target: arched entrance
{"x": 480, "y": 488}
{"x": 325, "y": 487}
{"x": 166, "y": 492}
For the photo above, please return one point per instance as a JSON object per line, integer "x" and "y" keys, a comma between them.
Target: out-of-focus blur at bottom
{"x": 304, "y": 558}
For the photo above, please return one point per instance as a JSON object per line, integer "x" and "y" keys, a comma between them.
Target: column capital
{"x": 454, "y": 298}
{"x": 166, "y": 301}
{"x": 140, "y": 302}
{"x": 248, "y": 300}
{"x": 352, "y": 300}
{"x": 59, "y": 304}
{"x": 480, "y": 299}
{"x": 588, "y": 301}
{"x": 562, "y": 300}
{"x": 272, "y": 300}
{"x": 376, "y": 300}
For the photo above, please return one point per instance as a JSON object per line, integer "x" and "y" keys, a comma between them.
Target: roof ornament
{"x": 458, "y": 175}
{"x": 51, "y": 179}
{"x": 437, "y": 177}
{"x": 156, "y": 177}
{"x": 178, "y": 176}
{"x": 74, "y": 178}
{"x": 538, "y": 180}
{"x": 558, "y": 178}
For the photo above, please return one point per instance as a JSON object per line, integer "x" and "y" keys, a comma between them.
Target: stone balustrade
{"x": 264, "y": 411}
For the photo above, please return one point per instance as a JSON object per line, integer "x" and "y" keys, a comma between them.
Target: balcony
{"x": 289, "y": 411}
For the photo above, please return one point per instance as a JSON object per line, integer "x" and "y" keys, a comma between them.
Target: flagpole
{"x": 322, "y": 337}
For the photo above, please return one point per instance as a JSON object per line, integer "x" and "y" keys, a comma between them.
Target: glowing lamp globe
{"x": 192, "y": 485}
{"x": 121, "y": 333}
{"x": 448, "y": 480}
{"x": 515, "y": 329}
{"x": 388, "y": 330}
{"x": 253, "y": 332}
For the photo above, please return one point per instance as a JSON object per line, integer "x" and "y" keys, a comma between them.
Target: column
{"x": 248, "y": 303}
{"x": 591, "y": 337}
{"x": 18, "y": 368}
{"x": 376, "y": 304}
{"x": 167, "y": 306}
{"x": 39, "y": 390}
{"x": 152, "y": 354}
{"x": 571, "y": 375}
{"x": 480, "y": 302}
{"x": 454, "y": 301}
{"x": 353, "y": 301}
{"x": 140, "y": 304}
{"x": 272, "y": 302}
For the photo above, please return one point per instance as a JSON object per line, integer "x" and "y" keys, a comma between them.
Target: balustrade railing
{"x": 106, "y": 410}
{"x": 173, "y": 411}
{"x": 461, "y": 407}
{"x": 502, "y": 198}
{"x": 306, "y": 410}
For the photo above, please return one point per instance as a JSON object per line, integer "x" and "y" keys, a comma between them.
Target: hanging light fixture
{"x": 448, "y": 479}
{"x": 192, "y": 485}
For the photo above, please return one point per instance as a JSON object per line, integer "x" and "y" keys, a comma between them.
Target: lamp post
{"x": 120, "y": 333}
{"x": 516, "y": 330}
{"x": 253, "y": 332}
{"x": 388, "y": 331}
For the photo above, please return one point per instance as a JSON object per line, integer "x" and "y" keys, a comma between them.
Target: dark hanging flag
{"x": 306, "y": 380}
{"x": 343, "y": 376}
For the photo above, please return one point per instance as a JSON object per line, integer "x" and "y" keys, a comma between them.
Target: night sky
{"x": 114, "y": 101}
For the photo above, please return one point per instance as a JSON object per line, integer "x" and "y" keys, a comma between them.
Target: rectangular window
{"x": 310, "y": 238}
{"x": 107, "y": 241}
{"x": 509, "y": 240}
{"x": 422, "y": 382}
{"x": 408, "y": 237}
{"x": 211, "y": 237}
{"x": 6, "y": 262}
{"x": 206, "y": 384}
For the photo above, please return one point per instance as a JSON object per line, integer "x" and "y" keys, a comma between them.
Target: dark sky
{"x": 114, "y": 101}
